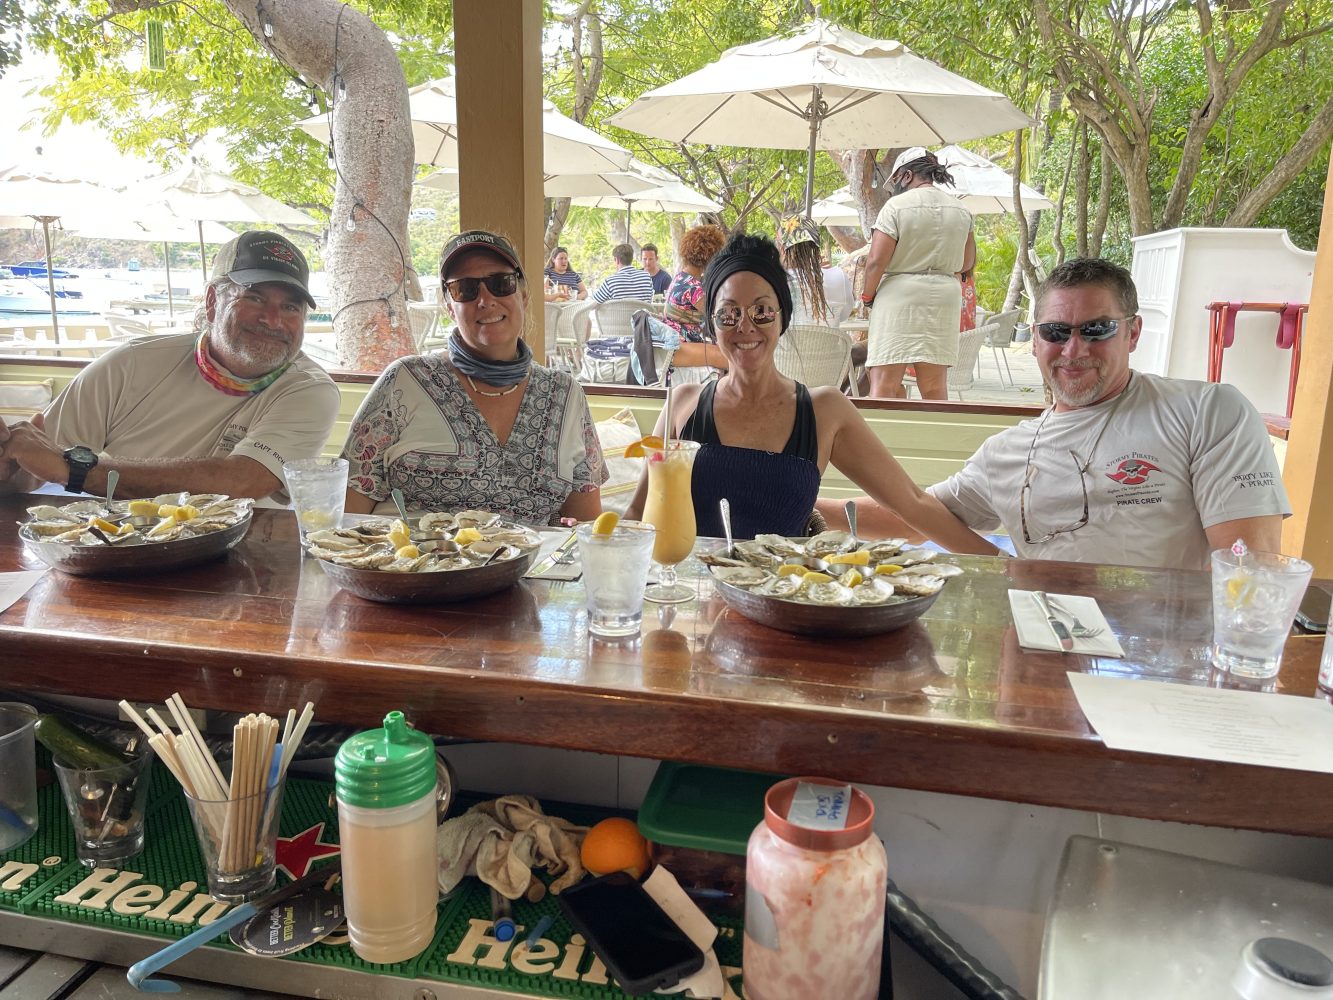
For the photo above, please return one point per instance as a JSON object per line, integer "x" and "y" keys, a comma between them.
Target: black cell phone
{"x": 1313, "y": 613}
{"x": 642, "y": 948}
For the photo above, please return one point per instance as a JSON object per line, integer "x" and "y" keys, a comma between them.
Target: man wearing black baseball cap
{"x": 217, "y": 410}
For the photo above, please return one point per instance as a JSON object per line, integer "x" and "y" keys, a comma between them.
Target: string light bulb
{"x": 268, "y": 28}
{"x": 333, "y": 164}
{"x": 351, "y": 224}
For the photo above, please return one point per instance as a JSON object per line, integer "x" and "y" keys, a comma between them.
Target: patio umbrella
{"x": 35, "y": 193}
{"x": 200, "y": 195}
{"x": 825, "y": 87}
{"x": 567, "y": 146}
{"x": 983, "y": 187}
{"x": 672, "y": 197}
{"x": 150, "y": 229}
{"x": 614, "y": 182}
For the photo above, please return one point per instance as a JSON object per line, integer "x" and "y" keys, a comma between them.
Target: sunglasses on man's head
{"x": 1092, "y": 331}
{"x": 760, "y": 315}
{"x": 467, "y": 289}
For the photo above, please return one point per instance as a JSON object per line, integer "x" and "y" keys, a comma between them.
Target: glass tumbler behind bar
{"x": 238, "y": 839}
{"x": 106, "y": 807}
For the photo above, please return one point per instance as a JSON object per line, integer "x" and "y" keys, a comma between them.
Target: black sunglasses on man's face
{"x": 1092, "y": 331}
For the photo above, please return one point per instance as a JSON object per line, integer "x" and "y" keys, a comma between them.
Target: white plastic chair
{"x": 425, "y": 320}
{"x": 124, "y": 326}
{"x": 814, "y": 355}
{"x": 1001, "y": 336}
{"x": 962, "y": 375}
{"x": 613, "y": 316}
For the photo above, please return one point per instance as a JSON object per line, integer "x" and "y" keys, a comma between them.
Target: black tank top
{"x": 770, "y": 492}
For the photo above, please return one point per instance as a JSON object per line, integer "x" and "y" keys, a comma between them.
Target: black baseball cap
{"x": 259, "y": 256}
{"x": 478, "y": 239}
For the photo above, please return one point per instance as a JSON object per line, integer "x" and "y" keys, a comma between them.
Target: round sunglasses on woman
{"x": 479, "y": 425}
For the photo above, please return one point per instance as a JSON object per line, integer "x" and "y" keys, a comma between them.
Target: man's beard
{"x": 255, "y": 351}
{"x": 1081, "y": 397}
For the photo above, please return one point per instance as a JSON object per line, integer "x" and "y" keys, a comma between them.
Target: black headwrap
{"x": 746, "y": 253}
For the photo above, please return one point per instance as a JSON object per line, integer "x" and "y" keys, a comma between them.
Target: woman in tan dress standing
{"x": 922, "y": 239}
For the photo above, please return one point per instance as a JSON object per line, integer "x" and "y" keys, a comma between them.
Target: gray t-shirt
{"x": 1178, "y": 457}
{"x": 148, "y": 400}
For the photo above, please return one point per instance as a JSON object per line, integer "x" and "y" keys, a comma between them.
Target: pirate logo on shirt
{"x": 1133, "y": 471}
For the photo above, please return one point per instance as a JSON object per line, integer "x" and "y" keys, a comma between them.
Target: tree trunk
{"x": 858, "y": 166}
{"x": 370, "y": 266}
{"x": 555, "y": 223}
{"x": 848, "y": 238}
{"x": 1098, "y": 232}
{"x": 1082, "y": 181}
{"x": 1025, "y": 235}
{"x": 587, "y": 81}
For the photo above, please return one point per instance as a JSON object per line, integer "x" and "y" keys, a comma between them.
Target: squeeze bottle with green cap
{"x": 385, "y": 782}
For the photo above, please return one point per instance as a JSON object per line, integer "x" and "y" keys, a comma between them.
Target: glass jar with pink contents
{"x": 814, "y": 900}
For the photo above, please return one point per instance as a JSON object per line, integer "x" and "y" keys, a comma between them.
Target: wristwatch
{"x": 81, "y": 461}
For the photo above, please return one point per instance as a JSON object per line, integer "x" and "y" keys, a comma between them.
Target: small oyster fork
{"x": 1076, "y": 628}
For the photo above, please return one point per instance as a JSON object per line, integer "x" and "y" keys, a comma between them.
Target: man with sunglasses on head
{"x": 1125, "y": 468}
{"x": 216, "y": 410}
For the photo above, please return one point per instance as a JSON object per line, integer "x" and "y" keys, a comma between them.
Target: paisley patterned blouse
{"x": 419, "y": 431}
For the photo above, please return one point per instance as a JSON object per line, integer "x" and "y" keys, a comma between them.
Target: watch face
{"x": 81, "y": 455}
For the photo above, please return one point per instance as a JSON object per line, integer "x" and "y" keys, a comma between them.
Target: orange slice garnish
{"x": 639, "y": 448}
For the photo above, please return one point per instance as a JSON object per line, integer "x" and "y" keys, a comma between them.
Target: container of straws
{"x": 236, "y": 816}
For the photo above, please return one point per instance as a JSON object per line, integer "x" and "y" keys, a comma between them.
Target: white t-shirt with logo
{"x": 148, "y": 400}
{"x": 1176, "y": 457}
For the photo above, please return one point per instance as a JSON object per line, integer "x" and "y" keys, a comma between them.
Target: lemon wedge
{"x": 399, "y": 534}
{"x": 817, "y": 577}
{"x": 143, "y": 508}
{"x": 606, "y": 523}
{"x": 1239, "y": 590}
{"x": 858, "y": 558}
{"x": 887, "y": 569}
{"x": 104, "y": 526}
{"x": 167, "y": 510}
{"x": 467, "y": 536}
{"x": 186, "y": 512}
{"x": 791, "y": 569}
{"x": 407, "y": 552}
{"x": 853, "y": 578}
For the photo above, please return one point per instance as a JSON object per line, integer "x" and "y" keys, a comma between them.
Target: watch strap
{"x": 78, "y": 471}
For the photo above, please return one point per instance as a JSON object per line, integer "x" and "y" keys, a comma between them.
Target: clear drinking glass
{"x": 18, "y": 774}
{"x": 615, "y": 569}
{"x": 318, "y": 488}
{"x": 238, "y": 839}
{"x": 106, "y": 806}
{"x": 1255, "y": 597}
{"x": 670, "y": 509}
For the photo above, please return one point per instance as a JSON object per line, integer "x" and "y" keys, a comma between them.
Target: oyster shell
{"x": 827, "y": 593}
{"x": 778, "y": 545}
{"x": 438, "y": 521}
{"x": 885, "y": 549}
{"x": 756, "y": 553}
{"x": 718, "y": 559}
{"x": 475, "y": 519}
{"x": 828, "y": 542}
{"x": 910, "y": 557}
{"x": 780, "y": 586}
{"x": 742, "y": 576}
{"x": 940, "y": 569}
{"x": 51, "y": 528}
{"x": 873, "y": 591}
{"x": 917, "y": 585}
{"x": 46, "y": 512}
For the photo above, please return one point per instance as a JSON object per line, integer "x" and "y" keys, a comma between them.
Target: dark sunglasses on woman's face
{"x": 1092, "y": 331}
{"x": 467, "y": 289}
{"x": 729, "y": 316}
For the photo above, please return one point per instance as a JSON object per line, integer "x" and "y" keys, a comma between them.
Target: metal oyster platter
{"x": 437, "y": 559}
{"x": 829, "y": 585}
{"x": 132, "y": 537}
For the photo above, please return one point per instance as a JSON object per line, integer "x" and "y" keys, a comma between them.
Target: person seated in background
{"x": 681, "y": 328}
{"x": 1125, "y": 468}
{"x": 837, "y": 290}
{"x": 562, "y": 281}
{"x": 766, "y": 439}
{"x": 479, "y": 425}
{"x": 661, "y": 277}
{"x": 629, "y": 282}
{"x": 217, "y": 410}
{"x": 798, "y": 239}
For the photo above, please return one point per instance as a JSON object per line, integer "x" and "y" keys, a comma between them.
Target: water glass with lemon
{"x": 1255, "y": 598}
{"x": 615, "y": 556}
{"x": 318, "y": 488}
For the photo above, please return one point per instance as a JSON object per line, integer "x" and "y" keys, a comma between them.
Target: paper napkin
{"x": 1034, "y": 632}
{"x": 15, "y": 585}
{"x": 542, "y": 567}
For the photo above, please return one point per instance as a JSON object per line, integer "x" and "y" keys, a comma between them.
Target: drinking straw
{"x": 666, "y": 435}
{"x": 292, "y": 742}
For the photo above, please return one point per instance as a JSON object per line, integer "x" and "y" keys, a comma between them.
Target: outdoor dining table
{"x": 949, "y": 703}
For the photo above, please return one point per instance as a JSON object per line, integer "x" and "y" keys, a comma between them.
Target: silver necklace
{"x": 493, "y": 395}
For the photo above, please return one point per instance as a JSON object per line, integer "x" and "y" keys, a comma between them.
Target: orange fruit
{"x": 636, "y": 450}
{"x": 615, "y": 845}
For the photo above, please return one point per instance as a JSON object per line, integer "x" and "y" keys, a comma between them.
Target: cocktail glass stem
{"x": 668, "y": 589}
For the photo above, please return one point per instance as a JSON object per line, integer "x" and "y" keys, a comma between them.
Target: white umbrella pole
{"x": 203, "y": 261}
{"x": 50, "y": 278}
{"x": 810, "y": 160}
{"x": 166, "y": 257}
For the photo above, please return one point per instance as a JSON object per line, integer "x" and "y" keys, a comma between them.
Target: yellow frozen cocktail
{"x": 670, "y": 509}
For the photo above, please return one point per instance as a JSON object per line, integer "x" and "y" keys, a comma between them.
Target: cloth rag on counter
{"x": 502, "y": 840}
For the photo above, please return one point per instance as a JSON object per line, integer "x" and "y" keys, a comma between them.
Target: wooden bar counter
{"x": 949, "y": 704}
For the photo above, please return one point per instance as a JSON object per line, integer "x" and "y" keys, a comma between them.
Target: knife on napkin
{"x": 1060, "y": 629}
{"x": 555, "y": 557}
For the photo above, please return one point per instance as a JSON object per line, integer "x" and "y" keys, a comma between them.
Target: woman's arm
{"x": 358, "y": 503}
{"x": 882, "y": 246}
{"x": 582, "y": 505}
{"x": 694, "y": 355}
{"x": 860, "y": 456}
{"x": 969, "y": 254}
{"x": 583, "y": 290}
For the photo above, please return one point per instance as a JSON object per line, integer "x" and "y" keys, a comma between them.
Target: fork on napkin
{"x": 558, "y": 559}
{"x": 1034, "y": 632}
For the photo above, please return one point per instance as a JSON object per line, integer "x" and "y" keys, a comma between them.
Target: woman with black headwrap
{"x": 922, "y": 241}
{"x": 765, "y": 439}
